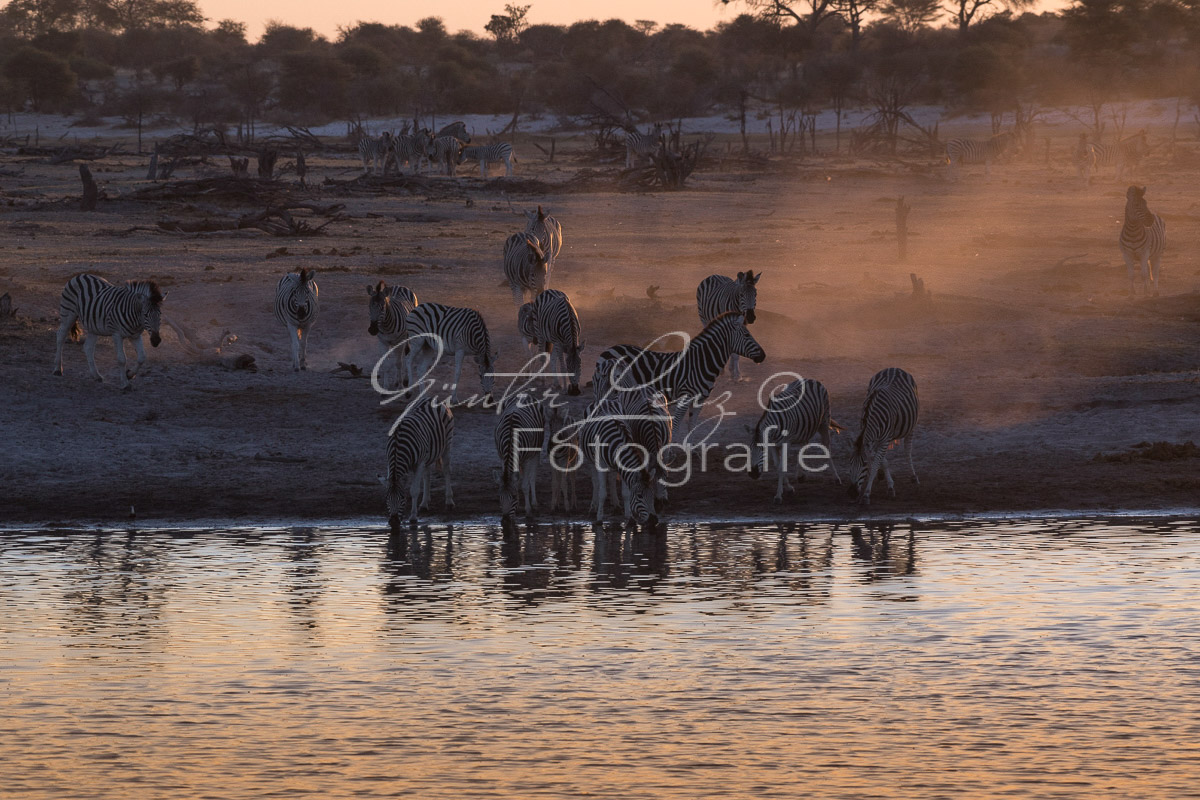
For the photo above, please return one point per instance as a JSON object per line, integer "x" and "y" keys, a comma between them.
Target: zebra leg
{"x": 119, "y": 347}
{"x": 1156, "y": 270}
{"x": 89, "y": 349}
{"x": 778, "y": 498}
{"x": 1129, "y": 270}
{"x": 887, "y": 474}
{"x": 414, "y": 495}
{"x": 599, "y": 491}
{"x": 734, "y": 373}
{"x": 1145, "y": 272}
{"x": 302, "y": 335}
{"x": 908, "y": 446}
{"x": 483, "y": 168}
{"x": 518, "y": 294}
{"x": 449, "y": 492}
{"x": 64, "y": 330}
{"x": 294, "y": 337}
{"x": 508, "y": 167}
{"x": 865, "y": 497}
{"x": 139, "y": 345}
{"x": 459, "y": 355}
{"x": 827, "y": 441}
{"x": 615, "y": 485}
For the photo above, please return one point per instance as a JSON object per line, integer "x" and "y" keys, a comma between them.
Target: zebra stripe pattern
{"x": 648, "y": 420}
{"x": 490, "y": 154}
{"x": 794, "y": 416}
{"x": 458, "y": 130}
{"x": 420, "y": 441}
{"x": 607, "y": 447}
{"x": 717, "y": 295}
{"x": 296, "y": 306}
{"x": 564, "y": 456}
{"x": 641, "y": 145}
{"x": 686, "y": 378}
{"x": 445, "y": 150}
{"x": 547, "y": 231}
{"x": 102, "y": 309}
{"x": 1124, "y": 156}
{"x": 525, "y": 268}
{"x": 435, "y": 328}
{"x": 889, "y": 415}
{"x": 411, "y": 149}
{"x": 374, "y": 152}
{"x": 1142, "y": 241}
{"x": 521, "y": 435}
{"x": 551, "y": 324}
{"x": 973, "y": 151}
{"x": 1084, "y": 158}
{"x": 389, "y": 308}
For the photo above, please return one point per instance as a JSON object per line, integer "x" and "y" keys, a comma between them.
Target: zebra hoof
{"x": 449, "y": 507}
{"x": 58, "y": 372}
{"x": 127, "y": 388}
{"x": 303, "y": 367}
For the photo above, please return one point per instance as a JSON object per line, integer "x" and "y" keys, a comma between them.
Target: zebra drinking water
{"x": 1142, "y": 240}
{"x": 793, "y": 416}
{"x": 647, "y": 417}
{"x": 548, "y": 232}
{"x": 565, "y": 455}
{"x": 433, "y": 327}
{"x": 718, "y": 294}
{"x": 93, "y": 304}
{"x": 490, "y": 154}
{"x": 551, "y": 324}
{"x": 607, "y": 447}
{"x": 641, "y": 145}
{"x": 525, "y": 267}
{"x": 521, "y": 435}
{"x": 420, "y": 442}
{"x": 973, "y": 151}
{"x": 388, "y": 309}
{"x": 374, "y": 152}
{"x": 296, "y": 306}
{"x": 889, "y": 415}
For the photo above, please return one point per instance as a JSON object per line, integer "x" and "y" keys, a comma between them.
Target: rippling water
{"x": 1049, "y": 659}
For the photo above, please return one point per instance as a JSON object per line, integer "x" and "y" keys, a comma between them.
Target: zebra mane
{"x": 712, "y": 325}
{"x": 147, "y": 289}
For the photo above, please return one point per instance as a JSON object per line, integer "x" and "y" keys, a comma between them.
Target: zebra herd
{"x": 447, "y": 148}
{"x": 1087, "y": 156}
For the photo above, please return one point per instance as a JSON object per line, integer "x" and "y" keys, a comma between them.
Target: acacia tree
{"x": 966, "y": 12}
{"x": 809, "y": 14}
{"x": 507, "y": 27}
{"x": 43, "y": 77}
{"x": 854, "y": 13}
{"x": 911, "y": 15}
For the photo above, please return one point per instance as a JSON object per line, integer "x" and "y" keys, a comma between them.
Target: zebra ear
{"x": 741, "y": 276}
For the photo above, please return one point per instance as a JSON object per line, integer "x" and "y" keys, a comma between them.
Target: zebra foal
{"x": 296, "y": 307}
{"x": 889, "y": 415}
{"x": 93, "y": 304}
{"x": 794, "y": 416}
{"x": 419, "y": 443}
{"x": 1142, "y": 241}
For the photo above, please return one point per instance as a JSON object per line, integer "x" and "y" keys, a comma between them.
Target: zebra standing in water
{"x": 374, "y": 152}
{"x": 547, "y": 230}
{"x": 438, "y": 328}
{"x": 521, "y": 435}
{"x": 419, "y": 442}
{"x": 445, "y": 150}
{"x": 389, "y": 308}
{"x": 411, "y": 149}
{"x": 686, "y": 378}
{"x": 889, "y": 415}
{"x": 525, "y": 267}
{"x": 296, "y": 306}
{"x": 1142, "y": 239}
{"x": 490, "y": 154}
{"x": 122, "y": 312}
{"x": 793, "y": 416}
{"x": 551, "y": 324}
{"x": 1124, "y": 156}
{"x": 641, "y": 145}
{"x": 973, "y": 151}
{"x": 606, "y": 445}
{"x": 718, "y": 294}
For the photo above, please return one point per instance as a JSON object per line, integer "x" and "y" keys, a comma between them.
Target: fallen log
{"x": 212, "y": 353}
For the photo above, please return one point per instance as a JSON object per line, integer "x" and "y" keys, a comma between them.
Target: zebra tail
{"x": 76, "y": 333}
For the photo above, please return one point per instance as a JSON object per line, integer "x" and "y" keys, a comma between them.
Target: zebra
{"x": 717, "y": 294}
{"x": 296, "y": 306}
{"x": 389, "y": 308}
{"x": 445, "y": 150}
{"x": 1084, "y": 158}
{"x": 122, "y": 312}
{"x": 889, "y": 415}
{"x": 973, "y": 151}
{"x": 436, "y": 327}
{"x": 794, "y": 415}
{"x": 648, "y": 420}
{"x": 548, "y": 232}
{"x": 525, "y": 267}
{"x": 490, "y": 154}
{"x": 374, "y": 152}
{"x": 606, "y": 445}
{"x": 1123, "y": 155}
{"x": 551, "y": 324}
{"x": 411, "y": 149}
{"x": 419, "y": 442}
{"x": 564, "y": 455}
{"x": 1142, "y": 239}
{"x": 456, "y": 129}
{"x": 685, "y": 378}
{"x": 641, "y": 144}
{"x": 521, "y": 435}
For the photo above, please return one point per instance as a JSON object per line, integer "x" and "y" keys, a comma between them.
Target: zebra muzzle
{"x": 155, "y": 340}
{"x": 373, "y": 329}
{"x": 750, "y": 316}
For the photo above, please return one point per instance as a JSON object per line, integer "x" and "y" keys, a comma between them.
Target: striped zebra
{"x": 564, "y": 456}
{"x": 374, "y": 152}
{"x": 794, "y": 416}
{"x": 490, "y": 154}
{"x": 437, "y": 328}
{"x": 551, "y": 324}
{"x": 525, "y": 267}
{"x": 889, "y": 415}
{"x": 521, "y": 435}
{"x": 93, "y": 304}
{"x": 686, "y": 378}
{"x": 445, "y": 150}
{"x": 1123, "y": 156}
{"x": 718, "y": 294}
{"x": 974, "y": 151}
{"x": 547, "y": 230}
{"x": 388, "y": 308}
{"x": 411, "y": 148}
{"x": 1142, "y": 240}
{"x": 419, "y": 442}
{"x": 648, "y": 419}
{"x": 296, "y": 307}
{"x": 1084, "y": 158}
{"x": 456, "y": 129}
{"x": 643, "y": 145}
{"x": 614, "y": 459}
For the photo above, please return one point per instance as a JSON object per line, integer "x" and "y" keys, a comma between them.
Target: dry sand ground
{"x": 1031, "y": 359}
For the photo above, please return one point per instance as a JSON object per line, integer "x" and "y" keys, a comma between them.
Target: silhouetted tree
{"x": 42, "y": 78}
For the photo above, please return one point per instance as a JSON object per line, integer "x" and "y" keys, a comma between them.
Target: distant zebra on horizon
{"x": 641, "y": 145}
{"x": 889, "y": 415}
{"x": 525, "y": 267}
{"x": 90, "y": 303}
{"x": 388, "y": 308}
{"x": 551, "y": 324}
{"x": 296, "y": 307}
{"x": 374, "y": 151}
{"x": 794, "y": 416}
{"x": 1143, "y": 239}
{"x": 1124, "y": 156}
{"x": 490, "y": 154}
{"x": 419, "y": 442}
{"x": 548, "y": 231}
{"x": 974, "y": 151}
{"x": 439, "y": 329}
{"x": 520, "y": 436}
{"x": 718, "y": 294}
{"x": 447, "y": 151}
